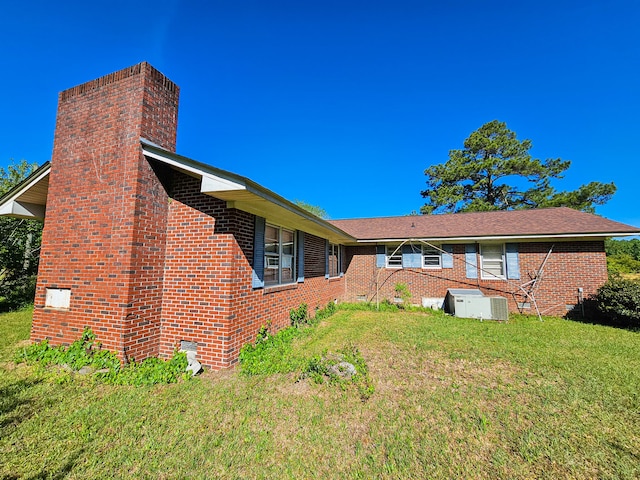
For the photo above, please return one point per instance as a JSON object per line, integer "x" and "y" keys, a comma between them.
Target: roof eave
{"x": 243, "y": 194}
{"x": 28, "y": 199}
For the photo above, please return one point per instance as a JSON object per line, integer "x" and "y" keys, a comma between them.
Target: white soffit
{"x": 217, "y": 184}
{"x": 28, "y": 200}
{"x": 243, "y": 194}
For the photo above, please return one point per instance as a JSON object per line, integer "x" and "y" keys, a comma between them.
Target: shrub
{"x": 404, "y": 294}
{"x": 17, "y": 292}
{"x": 150, "y": 371}
{"x": 325, "y": 312}
{"x": 618, "y": 301}
{"x": 299, "y": 316}
{"x": 274, "y": 353}
{"x": 87, "y": 352}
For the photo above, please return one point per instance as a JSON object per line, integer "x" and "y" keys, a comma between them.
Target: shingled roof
{"x": 550, "y": 222}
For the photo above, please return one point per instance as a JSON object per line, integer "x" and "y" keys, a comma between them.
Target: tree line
{"x": 19, "y": 245}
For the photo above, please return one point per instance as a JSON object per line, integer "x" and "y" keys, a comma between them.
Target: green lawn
{"x": 453, "y": 399}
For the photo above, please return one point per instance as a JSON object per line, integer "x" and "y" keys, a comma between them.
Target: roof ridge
{"x": 486, "y": 212}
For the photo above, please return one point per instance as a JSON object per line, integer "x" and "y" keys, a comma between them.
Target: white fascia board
{"x": 566, "y": 236}
{"x": 13, "y": 207}
{"x": 211, "y": 184}
{"x": 22, "y": 209}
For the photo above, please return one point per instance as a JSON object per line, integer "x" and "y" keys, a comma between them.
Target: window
{"x": 279, "y": 255}
{"x": 334, "y": 260}
{"x": 393, "y": 256}
{"x": 431, "y": 257}
{"x": 492, "y": 261}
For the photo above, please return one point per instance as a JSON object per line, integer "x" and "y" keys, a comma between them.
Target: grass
{"x": 453, "y": 398}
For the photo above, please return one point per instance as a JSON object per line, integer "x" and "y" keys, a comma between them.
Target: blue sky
{"x": 343, "y": 104}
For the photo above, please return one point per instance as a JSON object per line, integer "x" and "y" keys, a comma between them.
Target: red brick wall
{"x": 208, "y": 296}
{"x": 104, "y": 232}
{"x": 570, "y": 266}
{"x": 149, "y": 260}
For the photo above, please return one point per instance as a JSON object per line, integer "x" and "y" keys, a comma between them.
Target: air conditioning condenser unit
{"x": 472, "y": 303}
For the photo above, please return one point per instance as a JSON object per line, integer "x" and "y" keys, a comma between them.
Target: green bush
{"x": 274, "y": 353}
{"x": 299, "y": 316}
{"x": 325, "y": 312}
{"x": 150, "y": 371}
{"x": 615, "y": 247}
{"x": 17, "y": 291}
{"x": 618, "y": 302}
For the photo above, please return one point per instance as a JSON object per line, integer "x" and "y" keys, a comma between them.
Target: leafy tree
{"x": 495, "y": 171}
{"x": 317, "y": 211}
{"x": 623, "y": 256}
{"x": 623, "y": 247}
{"x": 19, "y": 245}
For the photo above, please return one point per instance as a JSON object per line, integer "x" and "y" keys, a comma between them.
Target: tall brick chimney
{"x": 105, "y": 197}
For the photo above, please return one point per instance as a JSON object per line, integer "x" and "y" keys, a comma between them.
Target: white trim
{"x": 209, "y": 183}
{"x": 35, "y": 180}
{"x": 392, "y": 251}
{"x": 485, "y": 273}
{"x": 244, "y": 194}
{"x": 217, "y": 184}
{"x": 438, "y": 254}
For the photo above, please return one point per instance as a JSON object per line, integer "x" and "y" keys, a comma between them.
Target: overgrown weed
{"x": 87, "y": 352}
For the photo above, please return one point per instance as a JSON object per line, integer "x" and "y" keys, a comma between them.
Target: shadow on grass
{"x": 592, "y": 316}
{"x": 57, "y": 474}
{"x": 14, "y": 398}
{"x": 61, "y": 472}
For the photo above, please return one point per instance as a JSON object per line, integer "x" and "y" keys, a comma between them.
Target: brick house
{"x": 151, "y": 249}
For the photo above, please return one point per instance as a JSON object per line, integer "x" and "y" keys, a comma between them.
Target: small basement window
{"x": 58, "y": 298}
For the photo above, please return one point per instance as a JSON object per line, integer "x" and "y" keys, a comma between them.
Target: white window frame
{"x": 280, "y": 260}
{"x": 393, "y": 261}
{"x": 487, "y": 264}
{"x": 428, "y": 253}
{"x": 334, "y": 251}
